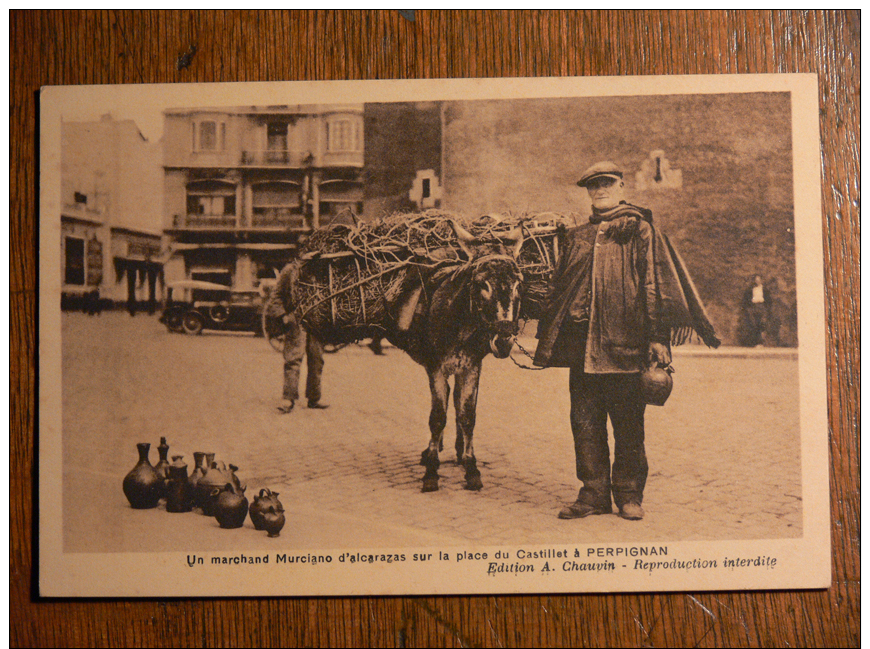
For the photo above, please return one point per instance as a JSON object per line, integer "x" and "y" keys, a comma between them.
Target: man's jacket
{"x": 283, "y": 298}
{"x": 640, "y": 292}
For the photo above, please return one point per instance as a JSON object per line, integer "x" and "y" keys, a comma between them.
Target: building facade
{"x": 110, "y": 215}
{"x": 241, "y": 185}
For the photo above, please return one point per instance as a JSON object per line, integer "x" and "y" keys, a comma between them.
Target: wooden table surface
{"x": 96, "y": 47}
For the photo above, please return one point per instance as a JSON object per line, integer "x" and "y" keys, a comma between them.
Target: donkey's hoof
{"x": 473, "y": 483}
{"x": 430, "y": 484}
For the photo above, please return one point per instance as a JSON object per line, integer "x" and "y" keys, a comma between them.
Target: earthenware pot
{"x": 260, "y": 505}
{"x": 179, "y": 493}
{"x": 273, "y": 517}
{"x": 198, "y": 470}
{"x": 237, "y": 484}
{"x": 142, "y": 486}
{"x": 215, "y": 478}
{"x": 230, "y": 508}
{"x": 162, "y": 466}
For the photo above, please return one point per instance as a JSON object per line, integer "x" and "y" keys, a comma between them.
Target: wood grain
{"x": 87, "y": 47}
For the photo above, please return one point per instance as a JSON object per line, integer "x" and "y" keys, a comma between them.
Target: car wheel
{"x": 192, "y": 323}
{"x": 174, "y": 322}
{"x": 219, "y": 313}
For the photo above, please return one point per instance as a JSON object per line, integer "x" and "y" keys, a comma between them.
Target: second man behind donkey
{"x": 618, "y": 297}
{"x": 297, "y": 344}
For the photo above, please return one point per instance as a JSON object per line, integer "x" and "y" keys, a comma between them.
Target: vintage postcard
{"x": 432, "y": 337}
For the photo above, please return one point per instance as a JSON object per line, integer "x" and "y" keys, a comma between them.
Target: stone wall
{"x": 715, "y": 169}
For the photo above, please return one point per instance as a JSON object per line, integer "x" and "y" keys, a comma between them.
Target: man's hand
{"x": 287, "y": 318}
{"x": 659, "y": 354}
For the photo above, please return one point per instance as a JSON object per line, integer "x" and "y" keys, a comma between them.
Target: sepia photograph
{"x": 432, "y": 337}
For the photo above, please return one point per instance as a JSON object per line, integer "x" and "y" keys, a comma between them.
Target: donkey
{"x": 448, "y": 319}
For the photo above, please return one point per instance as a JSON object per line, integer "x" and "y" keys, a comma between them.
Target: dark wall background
{"x": 400, "y": 139}
{"x": 144, "y": 46}
{"x": 732, "y": 216}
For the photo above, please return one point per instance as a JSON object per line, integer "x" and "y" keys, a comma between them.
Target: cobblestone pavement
{"x": 724, "y": 453}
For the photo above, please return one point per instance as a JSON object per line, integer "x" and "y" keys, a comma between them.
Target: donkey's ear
{"x": 514, "y": 241}
{"x": 464, "y": 238}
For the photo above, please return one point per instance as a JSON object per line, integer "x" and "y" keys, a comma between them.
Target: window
{"x": 211, "y": 205}
{"x": 343, "y": 135}
{"x": 276, "y": 142}
{"x": 209, "y": 135}
{"x": 211, "y": 202}
{"x": 277, "y": 204}
{"x": 95, "y": 261}
{"x": 74, "y": 268}
{"x": 276, "y": 136}
{"x": 339, "y": 199}
{"x": 81, "y": 198}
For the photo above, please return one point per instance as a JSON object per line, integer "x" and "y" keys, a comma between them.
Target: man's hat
{"x": 598, "y": 170}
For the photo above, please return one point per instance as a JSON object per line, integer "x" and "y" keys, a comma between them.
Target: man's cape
{"x": 680, "y": 307}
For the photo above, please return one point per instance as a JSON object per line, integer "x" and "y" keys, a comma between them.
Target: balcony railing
{"x": 204, "y": 221}
{"x": 274, "y": 158}
{"x": 267, "y": 220}
{"x": 277, "y": 220}
{"x": 296, "y": 159}
{"x": 277, "y": 216}
{"x": 82, "y": 210}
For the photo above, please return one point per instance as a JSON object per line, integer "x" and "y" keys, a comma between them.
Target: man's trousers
{"x": 594, "y": 397}
{"x": 296, "y": 345}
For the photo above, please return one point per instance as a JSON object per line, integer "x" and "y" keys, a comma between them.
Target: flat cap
{"x": 600, "y": 169}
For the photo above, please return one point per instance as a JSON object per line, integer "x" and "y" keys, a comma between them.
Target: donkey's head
{"x": 495, "y": 285}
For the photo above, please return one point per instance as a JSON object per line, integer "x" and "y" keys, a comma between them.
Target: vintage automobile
{"x": 193, "y": 305}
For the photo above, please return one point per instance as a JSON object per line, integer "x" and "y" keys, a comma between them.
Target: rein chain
{"x": 526, "y": 352}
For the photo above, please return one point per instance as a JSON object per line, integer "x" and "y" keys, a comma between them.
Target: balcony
{"x": 275, "y": 158}
{"x": 342, "y": 159}
{"x": 261, "y": 219}
{"x": 203, "y": 222}
{"x": 277, "y": 219}
{"x": 82, "y": 212}
{"x": 298, "y": 159}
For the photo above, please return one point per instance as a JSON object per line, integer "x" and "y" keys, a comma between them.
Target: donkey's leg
{"x": 465, "y": 402}
{"x": 440, "y": 390}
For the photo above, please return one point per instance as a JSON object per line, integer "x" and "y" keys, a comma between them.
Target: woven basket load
{"x": 351, "y": 275}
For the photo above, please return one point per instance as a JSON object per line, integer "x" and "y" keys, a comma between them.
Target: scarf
{"x": 679, "y": 307}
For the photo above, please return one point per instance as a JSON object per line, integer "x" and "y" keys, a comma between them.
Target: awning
{"x": 198, "y": 284}
{"x": 166, "y": 255}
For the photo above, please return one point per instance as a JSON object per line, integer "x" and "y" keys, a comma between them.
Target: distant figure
{"x": 757, "y": 308}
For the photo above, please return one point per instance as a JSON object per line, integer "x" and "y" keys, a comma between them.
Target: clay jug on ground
{"x": 273, "y": 516}
{"x": 216, "y": 477}
{"x": 202, "y": 493}
{"x": 260, "y": 505}
{"x": 237, "y": 484}
{"x": 273, "y": 521}
{"x": 142, "y": 486}
{"x": 179, "y": 493}
{"x": 162, "y": 466}
{"x": 198, "y": 469}
{"x": 230, "y": 508}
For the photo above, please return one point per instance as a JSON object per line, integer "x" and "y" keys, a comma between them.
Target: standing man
{"x": 297, "y": 343}
{"x": 618, "y": 293}
{"x": 756, "y": 311}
